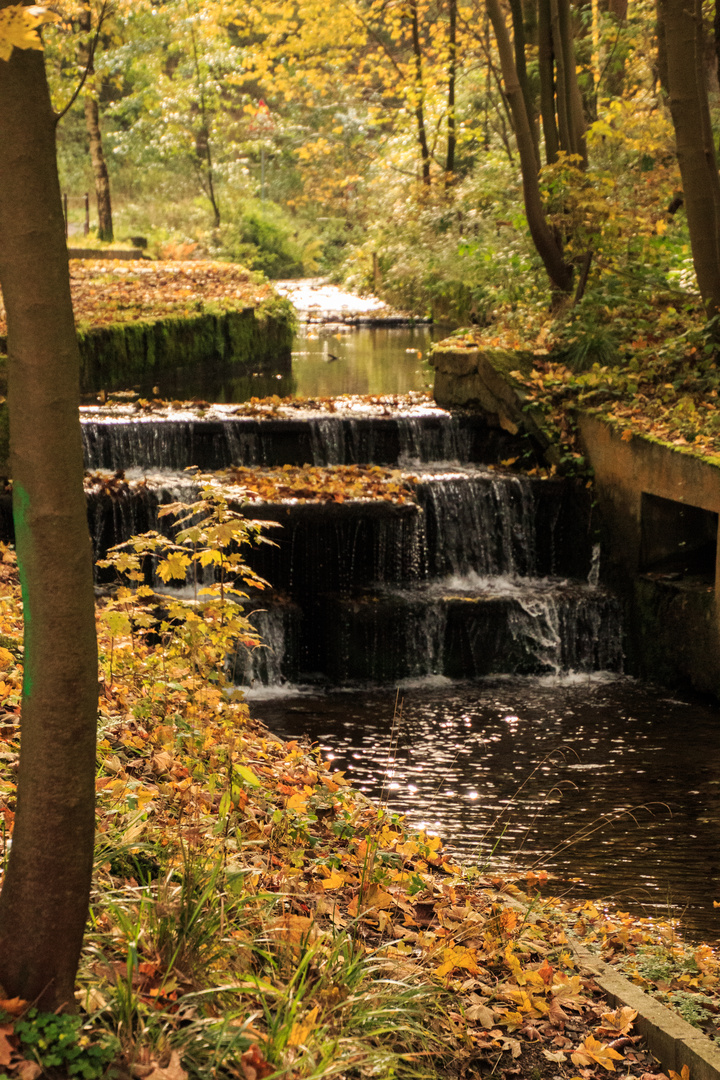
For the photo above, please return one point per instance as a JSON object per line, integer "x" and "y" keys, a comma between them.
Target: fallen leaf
{"x": 301, "y": 1029}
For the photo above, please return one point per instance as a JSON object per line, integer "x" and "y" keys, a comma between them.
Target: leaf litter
{"x": 107, "y": 291}
{"x": 253, "y": 916}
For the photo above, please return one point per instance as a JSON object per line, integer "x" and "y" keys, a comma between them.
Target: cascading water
{"x": 488, "y": 571}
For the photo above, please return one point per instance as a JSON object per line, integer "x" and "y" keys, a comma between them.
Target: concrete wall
{"x": 657, "y": 509}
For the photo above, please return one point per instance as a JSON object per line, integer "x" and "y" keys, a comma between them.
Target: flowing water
{"x": 554, "y": 758}
{"x": 594, "y": 777}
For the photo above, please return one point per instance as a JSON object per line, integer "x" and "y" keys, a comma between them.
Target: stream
{"x": 610, "y": 785}
{"x": 555, "y": 760}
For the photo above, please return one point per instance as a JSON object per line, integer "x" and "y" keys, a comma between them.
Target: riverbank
{"x": 253, "y": 916}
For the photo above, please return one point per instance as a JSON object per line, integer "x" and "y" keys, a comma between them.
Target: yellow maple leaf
{"x": 334, "y": 881}
{"x": 593, "y": 1050}
{"x": 174, "y": 566}
{"x": 18, "y": 27}
{"x": 458, "y": 957}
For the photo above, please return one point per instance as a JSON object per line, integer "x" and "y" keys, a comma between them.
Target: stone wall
{"x": 479, "y": 378}
{"x": 659, "y": 509}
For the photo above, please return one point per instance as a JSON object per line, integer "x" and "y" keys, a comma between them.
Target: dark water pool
{"x": 602, "y": 779}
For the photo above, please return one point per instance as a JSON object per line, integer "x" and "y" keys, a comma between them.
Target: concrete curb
{"x": 670, "y": 1038}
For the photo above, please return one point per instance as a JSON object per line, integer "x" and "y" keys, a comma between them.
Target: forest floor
{"x": 254, "y": 917}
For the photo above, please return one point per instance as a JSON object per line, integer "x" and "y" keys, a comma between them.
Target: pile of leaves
{"x": 333, "y": 483}
{"x": 127, "y": 401}
{"x": 106, "y": 291}
{"x": 254, "y": 917}
{"x": 306, "y": 483}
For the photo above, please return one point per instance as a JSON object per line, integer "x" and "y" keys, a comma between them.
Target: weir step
{"x": 210, "y": 444}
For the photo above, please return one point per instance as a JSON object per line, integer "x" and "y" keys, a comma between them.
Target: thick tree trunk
{"x": 559, "y": 272}
{"x": 45, "y": 891}
{"x": 682, "y": 25}
{"x": 419, "y": 94}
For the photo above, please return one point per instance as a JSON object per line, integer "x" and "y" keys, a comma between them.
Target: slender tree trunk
{"x": 562, "y": 88}
{"x": 452, "y": 73}
{"x": 44, "y": 899}
{"x": 202, "y": 144}
{"x": 100, "y": 172}
{"x": 559, "y": 271}
{"x": 546, "y": 66}
{"x": 92, "y": 125}
{"x": 576, "y": 118}
{"x": 419, "y": 94}
{"x": 682, "y": 24}
{"x": 521, "y": 68}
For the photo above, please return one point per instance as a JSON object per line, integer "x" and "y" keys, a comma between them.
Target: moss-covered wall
{"x": 472, "y": 377}
{"x": 255, "y": 339}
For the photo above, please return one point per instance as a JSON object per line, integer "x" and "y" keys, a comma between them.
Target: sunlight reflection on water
{"x": 601, "y": 778}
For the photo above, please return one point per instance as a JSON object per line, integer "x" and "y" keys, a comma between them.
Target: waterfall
{"x": 488, "y": 572}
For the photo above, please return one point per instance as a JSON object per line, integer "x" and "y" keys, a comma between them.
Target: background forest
{"x": 373, "y": 140}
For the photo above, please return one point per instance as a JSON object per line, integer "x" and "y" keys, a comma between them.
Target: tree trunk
{"x": 576, "y": 118}
{"x": 92, "y": 125}
{"x": 521, "y": 68}
{"x": 452, "y": 72}
{"x": 44, "y": 899}
{"x": 547, "y": 82}
{"x": 419, "y": 94}
{"x": 693, "y": 135}
{"x": 559, "y": 272}
{"x": 97, "y": 157}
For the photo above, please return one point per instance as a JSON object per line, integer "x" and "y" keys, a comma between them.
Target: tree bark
{"x": 682, "y": 24}
{"x": 419, "y": 94}
{"x": 45, "y": 892}
{"x": 452, "y": 73}
{"x": 547, "y": 82}
{"x": 92, "y": 125}
{"x": 559, "y": 271}
{"x": 100, "y": 172}
{"x": 576, "y": 118}
{"x": 521, "y": 68}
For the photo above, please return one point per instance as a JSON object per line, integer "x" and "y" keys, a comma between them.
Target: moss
{"x": 124, "y": 354}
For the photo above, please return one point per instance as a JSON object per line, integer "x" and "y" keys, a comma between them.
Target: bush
{"x": 261, "y": 237}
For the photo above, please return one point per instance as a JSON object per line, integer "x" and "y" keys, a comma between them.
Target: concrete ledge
{"x": 670, "y": 1038}
{"x": 106, "y": 253}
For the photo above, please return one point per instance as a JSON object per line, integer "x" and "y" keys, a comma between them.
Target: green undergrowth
{"x": 650, "y": 368}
